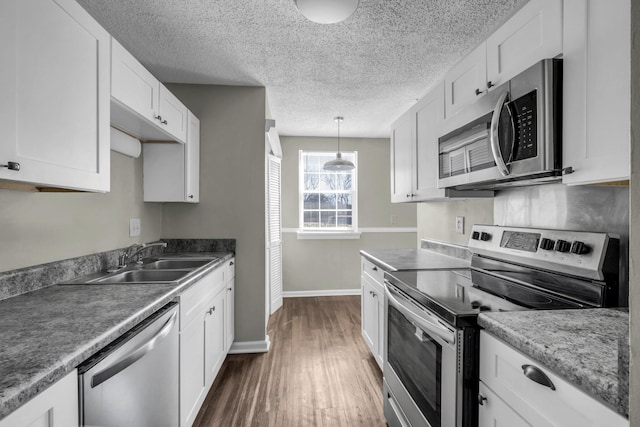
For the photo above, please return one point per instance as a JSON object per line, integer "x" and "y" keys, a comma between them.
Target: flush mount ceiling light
{"x": 326, "y": 11}
{"x": 338, "y": 164}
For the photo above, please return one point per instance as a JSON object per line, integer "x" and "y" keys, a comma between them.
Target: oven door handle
{"x": 412, "y": 312}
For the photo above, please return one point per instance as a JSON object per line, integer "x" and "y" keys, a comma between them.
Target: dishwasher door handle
{"x": 135, "y": 355}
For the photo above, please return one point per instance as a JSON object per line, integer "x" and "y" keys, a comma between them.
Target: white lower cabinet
{"x": 230, "y": 301}
{"x": 372, "y": 309}
{"x": 508, "y": 397}
{"x": 56, "y": 406}
{"x": 203, "y": 334}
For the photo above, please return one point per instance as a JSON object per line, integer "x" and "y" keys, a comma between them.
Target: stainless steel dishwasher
{"x": 134, "y": 380}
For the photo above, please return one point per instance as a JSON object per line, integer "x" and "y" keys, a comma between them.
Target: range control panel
{"x": 573, "y": 252}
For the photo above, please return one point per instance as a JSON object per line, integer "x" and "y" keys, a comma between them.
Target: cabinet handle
{"x": 191, "y": 196}
{"x": 12, "y": 166}
{"x": 536, "y": 375}
{"x": 375, "y": 268}
{"x": 164, "y": 122}
{"x": 231, "y": 263}
{"x": 481, "y": 399}
{"x": 229, "y": 289}
{"x": 158, "y": 117}
{"x": 478, "y": 92}
{"x": 490, "y": 84}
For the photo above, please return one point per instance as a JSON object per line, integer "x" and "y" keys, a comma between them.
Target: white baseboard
{"x": 242, "y": 347}
{"x": 321, "y": 293}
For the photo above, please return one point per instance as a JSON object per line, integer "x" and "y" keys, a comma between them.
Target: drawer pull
{"x": 375, "y": 268}
{"x": 536, "y": 375}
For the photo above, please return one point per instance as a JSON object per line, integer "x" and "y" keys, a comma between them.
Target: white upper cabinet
{"x": 172, "y": 114}
{"x": 596, "y": 91}
{"x": 466, "y": 81}
{"x": 401, "y": 159}
{"x": 172, "y": 171}
{"x": 531, "y": 35}
{"x": 141, "y": 105}
{"x": 132, "y": 85}
{"x": 55, "y": 85}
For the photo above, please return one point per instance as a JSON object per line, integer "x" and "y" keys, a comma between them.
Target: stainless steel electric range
{"x": 431, "y": 332}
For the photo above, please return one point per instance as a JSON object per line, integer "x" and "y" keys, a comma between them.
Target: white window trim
{"x": 326, "y": 233}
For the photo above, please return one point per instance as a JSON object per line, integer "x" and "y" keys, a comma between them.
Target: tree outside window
{"x": 328, "y": 198}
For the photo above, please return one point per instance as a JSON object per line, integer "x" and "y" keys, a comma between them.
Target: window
{"x": 328, "y": 199}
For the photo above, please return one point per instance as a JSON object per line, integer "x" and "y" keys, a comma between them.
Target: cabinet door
{"x": 466, "y": 81}
{"x": 173, "y": 115}
{"x": 192, "y": 166}
{"x": 596, "y": 91}
{"x": 401, "y": 136}
{"x": 214, "y": 348}
{"x": 493, "y": 412}
{"x": 56, "y": 406}
{"x": 370, "y": 320}
{"x": 192, "y": 370}
{"x": 164, "y": 172}
{"x": 230, "y": 310}
{"x": 532, "y": 34}
{"x": 132, "y": 85}
{"x": 55, "y": 84}
{"x": 428, "y": 114}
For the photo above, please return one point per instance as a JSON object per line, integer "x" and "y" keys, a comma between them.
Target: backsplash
{"x": 583, "y": 208}
{"x": 21, "y": 281}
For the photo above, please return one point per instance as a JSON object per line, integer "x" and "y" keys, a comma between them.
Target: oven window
{"x": 417, "y": 360}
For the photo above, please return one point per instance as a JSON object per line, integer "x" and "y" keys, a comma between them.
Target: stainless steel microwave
{"x": 515, "y": 140}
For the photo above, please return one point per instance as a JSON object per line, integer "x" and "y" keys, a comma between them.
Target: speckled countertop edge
{"x": 16, "y": 387}
{"x": 588, "y": 348}
{"x": 413, "y": 259}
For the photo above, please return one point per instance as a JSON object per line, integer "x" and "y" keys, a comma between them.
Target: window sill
{"x": 328, "y": 235}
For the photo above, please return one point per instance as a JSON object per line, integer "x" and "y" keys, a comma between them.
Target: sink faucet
{"x": 132, "y": 253}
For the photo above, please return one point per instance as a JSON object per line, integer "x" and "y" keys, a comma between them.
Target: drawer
{"x": 502, "y": 371}
{"x": 373, "y": 271}
{"x": 197, "y": 295}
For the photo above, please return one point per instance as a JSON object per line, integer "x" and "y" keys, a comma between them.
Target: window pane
{"x": 343, "y": 181}
{"x": 311, "y": 219}
{"x": 344, "y": 201}
{"x": 327, "y": 201}
{"x": 327, "y": 181}
{"x": 343, "y": 219}
{"x": 315, "y": 162}
{"x": 311, "y": 200}
{"x": 311, "y": 181}
{"x": 328, "y": 219}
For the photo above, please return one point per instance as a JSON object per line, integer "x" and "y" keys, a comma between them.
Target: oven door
{"x": 422, "y": 386}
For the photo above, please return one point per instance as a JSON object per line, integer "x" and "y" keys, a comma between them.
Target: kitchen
{"x": 47, "y": 227}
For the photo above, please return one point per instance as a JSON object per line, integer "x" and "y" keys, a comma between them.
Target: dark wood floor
{"x": 318, "y": 372}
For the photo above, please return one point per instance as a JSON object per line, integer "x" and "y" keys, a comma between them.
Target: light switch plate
{"x": 460, "y": 224}
{"x": 134, "y": 227}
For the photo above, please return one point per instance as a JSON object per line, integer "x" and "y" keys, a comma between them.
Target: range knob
{"x": 475, "y": 235}
{"x": 485, "y": 236}
{"x": 579, "y": 248}
{"x": 546, "y": 244}
{"x": 562, "y": 246}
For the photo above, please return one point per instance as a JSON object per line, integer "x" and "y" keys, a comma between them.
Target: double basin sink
{"x": 152, "y": 270}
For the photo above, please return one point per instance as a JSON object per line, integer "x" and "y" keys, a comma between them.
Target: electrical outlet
{"x": 460, "y": 224}
{"x": 394, "y": 219}
{"x": 134, "y": 227}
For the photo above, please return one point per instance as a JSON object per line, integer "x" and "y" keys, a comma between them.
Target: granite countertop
{"x": 413, "y": 259}
{"x": 46, "y": 333}
{"x": 589, "y": 348}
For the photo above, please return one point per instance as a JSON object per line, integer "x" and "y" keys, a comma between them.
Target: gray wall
{"x": 436, "y": 220}
{"x": 322, "y": 265}
{"x": 43, "y": 227}
{"x": 232, "y": 190}
{"x": 634, "y": 247}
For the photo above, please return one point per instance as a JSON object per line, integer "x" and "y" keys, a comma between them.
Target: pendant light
{"x": 338, "y": 164}
{"x": 326, "y": 11}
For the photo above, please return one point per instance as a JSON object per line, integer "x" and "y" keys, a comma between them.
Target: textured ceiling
{"x": 369, "y": 69}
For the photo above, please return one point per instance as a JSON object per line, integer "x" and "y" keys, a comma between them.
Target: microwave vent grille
{"x": 480, "y": 155}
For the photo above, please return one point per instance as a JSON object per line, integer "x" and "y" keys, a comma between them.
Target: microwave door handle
{"x": 494, "y": 138}
{"x": 419, "y": 319}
